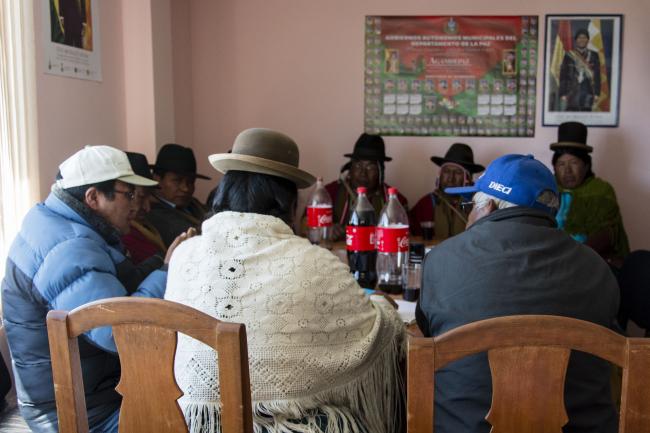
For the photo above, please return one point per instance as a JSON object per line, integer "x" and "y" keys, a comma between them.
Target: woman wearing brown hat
{"x": 588, "y": 208}
{"x": 365, "y": 168}
{"x": 456, "y": 169}
{"x": 323, "y": 357}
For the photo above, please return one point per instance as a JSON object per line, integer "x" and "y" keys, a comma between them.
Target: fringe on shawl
{"x": 371, "y": 403}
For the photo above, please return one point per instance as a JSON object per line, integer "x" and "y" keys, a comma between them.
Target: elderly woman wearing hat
{"x": 588, "y": 208}
{"x": 323, "y": 357}
{"x": 456, "y": 169}
{"x": 365, "y": 168}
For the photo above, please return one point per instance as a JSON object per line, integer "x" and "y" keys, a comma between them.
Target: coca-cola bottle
{"x": 360, "y": 241}
{"x": 392, "y": 244}
{"x": 319, "y": 216}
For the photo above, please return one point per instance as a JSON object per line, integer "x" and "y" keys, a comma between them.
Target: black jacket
{"x": 515, "y": 261}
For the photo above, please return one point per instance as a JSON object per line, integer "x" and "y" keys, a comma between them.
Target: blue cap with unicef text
{"x": 519, "y": 179}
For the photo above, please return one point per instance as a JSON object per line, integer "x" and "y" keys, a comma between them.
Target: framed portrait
{"x": 582, "y": 69}
{"x": 71, "y": 38}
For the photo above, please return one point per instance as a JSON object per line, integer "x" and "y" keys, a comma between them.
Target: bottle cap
{"x": 361, "y": 190}
{"x": 392, "y": 191}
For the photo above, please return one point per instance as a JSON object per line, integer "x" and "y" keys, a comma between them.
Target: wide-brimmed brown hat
{"x": 572, "y": 135}
{"x": 261, "y": 150}
{"x": 461, "y": 154}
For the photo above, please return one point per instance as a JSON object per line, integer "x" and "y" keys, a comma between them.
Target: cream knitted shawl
{"x": 314, "y": 340}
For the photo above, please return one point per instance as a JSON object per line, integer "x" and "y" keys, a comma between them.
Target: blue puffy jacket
{"x": 59, "y": 262}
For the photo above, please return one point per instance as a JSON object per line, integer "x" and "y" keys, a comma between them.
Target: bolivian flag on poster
{"x": 451, "y": 75}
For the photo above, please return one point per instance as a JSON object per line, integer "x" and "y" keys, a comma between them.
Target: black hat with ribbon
{"x": 177, "y": 159}
{"x": 369, "y": 147}
{"x": 461, "y": 154}
{"x": 572, "y": 135}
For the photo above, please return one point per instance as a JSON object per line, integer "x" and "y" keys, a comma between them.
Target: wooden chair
{"x": 528, "y": 358}
{"x": 145, "y": 332}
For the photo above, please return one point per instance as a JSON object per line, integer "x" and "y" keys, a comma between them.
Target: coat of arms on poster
{"x": 451, "y": 75}
{"x": 72, "y": 38}
{"x": 582, "y": 72}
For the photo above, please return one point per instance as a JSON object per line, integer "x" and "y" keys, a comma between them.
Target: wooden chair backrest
{"x": 528, "y": 358}
{"x": 145, "y": 332}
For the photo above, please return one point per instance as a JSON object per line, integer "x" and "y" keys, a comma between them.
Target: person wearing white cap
{"x": 68, "y": 253}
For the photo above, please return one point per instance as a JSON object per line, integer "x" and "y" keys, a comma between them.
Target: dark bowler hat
{"x": 260, "y": 150}
{"x": 572, "y": 135}
{"x": 139, "y": 164}
{"x": 177, "y": 159}
{"x": 461, "y": 154}
{"x": 369, "y": 147}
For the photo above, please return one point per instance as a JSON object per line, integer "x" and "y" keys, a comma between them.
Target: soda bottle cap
{"x": 362, "y": 190}
{"x": 392, "y": 191}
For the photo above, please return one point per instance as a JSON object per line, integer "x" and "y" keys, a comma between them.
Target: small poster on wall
{"x": 582, "y": 69}
{"x": 451, "y": 75}
{"x": 72, "y": 38}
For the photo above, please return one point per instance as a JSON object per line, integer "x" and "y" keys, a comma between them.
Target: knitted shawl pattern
{"x": 594, "y": 208}
{"x": 316, "y": 343}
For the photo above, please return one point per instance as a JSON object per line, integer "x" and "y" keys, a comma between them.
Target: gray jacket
{"x": 515, "y": 261}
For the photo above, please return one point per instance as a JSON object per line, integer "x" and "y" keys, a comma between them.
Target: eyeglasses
{"x": 130, "y": 195}
{"x": 466, "y": 206}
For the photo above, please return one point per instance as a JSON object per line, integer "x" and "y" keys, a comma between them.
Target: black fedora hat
{"x": 177, "y": 159}
{"x": 572, "y": 135}
{"x": 461, "y": 154}
{"x": 369, "y": 147}
{"x": 139, "y": 164}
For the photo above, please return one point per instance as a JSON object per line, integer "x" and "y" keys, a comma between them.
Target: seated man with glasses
{"x": 68, "y": 253}
{"x": 512, "y": 259}
{"x": 365, "y": 168}
{"x": 456, "y": 169}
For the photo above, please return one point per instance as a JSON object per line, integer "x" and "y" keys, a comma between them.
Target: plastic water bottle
{"x": 392, "y": 244}
{"x": 319, "y": 216}
{"x": 360, "y": 241}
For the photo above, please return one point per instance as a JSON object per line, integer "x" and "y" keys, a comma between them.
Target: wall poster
{"x": 72, "y": 38}
{"x": 582, "y": 69}
{"x": 451, "y": 75}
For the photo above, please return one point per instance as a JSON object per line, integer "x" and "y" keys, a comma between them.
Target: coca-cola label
{"x": 360, "y": 238}
{"x": 319, "y": 216}
{"x": 392, "y": 239}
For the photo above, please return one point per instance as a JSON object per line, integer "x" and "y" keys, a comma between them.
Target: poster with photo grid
{"x": 451, "y": 75}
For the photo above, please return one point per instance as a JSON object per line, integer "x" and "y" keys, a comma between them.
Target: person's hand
{"x": 191, "y": 232}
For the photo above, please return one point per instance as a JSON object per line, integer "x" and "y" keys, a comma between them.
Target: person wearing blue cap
{"x": 512, "y": 259}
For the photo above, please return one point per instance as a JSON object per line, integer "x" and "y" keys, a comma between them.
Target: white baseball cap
{"x": 94, "y": 164}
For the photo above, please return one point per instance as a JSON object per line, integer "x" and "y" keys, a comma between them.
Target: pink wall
{"x": 72, "y": 112}
{"x": 298, "y": 67}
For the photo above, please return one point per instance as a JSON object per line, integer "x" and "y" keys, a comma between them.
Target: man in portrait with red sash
{"x": 580, "y": 76}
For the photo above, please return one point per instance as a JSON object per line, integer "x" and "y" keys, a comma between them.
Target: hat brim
{"x": 135, "y": 179}
{"x": 184, "y": 173}
{"x": 225, "y": 162}
{"x": 462, "y": 190}
{"x": 572, "y": 145}
{"x": 472, "y": 168}
{"x": 368, "y": 157}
